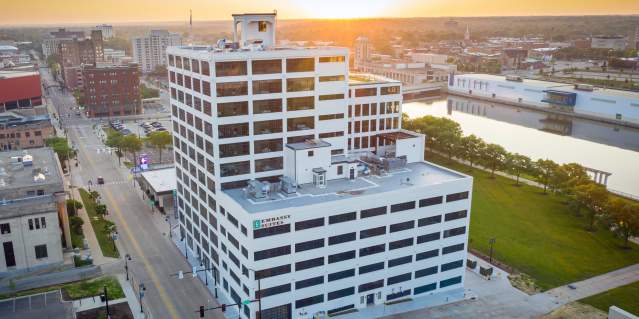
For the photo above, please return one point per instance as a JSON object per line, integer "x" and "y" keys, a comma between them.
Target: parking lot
{"x": 138, "y": 127}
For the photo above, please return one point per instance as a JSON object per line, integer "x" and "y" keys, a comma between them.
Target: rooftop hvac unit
{"x": 394, "y": 163}
{"x": 289, "y": 186}
{"x": 514, "y": 78}
{"x": 27, "y": 160}
{"x": 257, "y": 189}
{"x": 584, "y": 87}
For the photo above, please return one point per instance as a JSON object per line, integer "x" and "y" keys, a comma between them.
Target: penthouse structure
{"x": 282, "y": 203}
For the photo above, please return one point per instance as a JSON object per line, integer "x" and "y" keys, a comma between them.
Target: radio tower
{"x": 190, "y": 27}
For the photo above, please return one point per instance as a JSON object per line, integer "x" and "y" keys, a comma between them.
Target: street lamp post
{"x": 186, "y": 251}
{"x": 259, "y": 288}
{"x": 141, "y": 289}
{"x": 491, "y": 242}
{"x": 106, "y": 300}
{"x": 126, "y": 265}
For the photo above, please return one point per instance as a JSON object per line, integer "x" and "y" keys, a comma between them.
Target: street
{"x": 141, "y": 233}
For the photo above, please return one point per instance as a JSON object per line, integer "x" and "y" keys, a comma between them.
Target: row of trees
{"x": 133, "y": 144}
{"x": 571, "y": 180}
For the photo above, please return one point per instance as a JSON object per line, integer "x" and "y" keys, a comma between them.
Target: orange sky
{"x": 13, "y": 12}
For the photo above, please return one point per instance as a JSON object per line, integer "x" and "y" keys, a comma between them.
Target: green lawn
{"x": 80, "y": 289}
{"x": 537, "y": 234}
{"x": 624, "y": 297}
{"x": 100, "y": 226}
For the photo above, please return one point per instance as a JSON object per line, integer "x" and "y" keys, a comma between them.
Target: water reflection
{"x": 543, "y": 135}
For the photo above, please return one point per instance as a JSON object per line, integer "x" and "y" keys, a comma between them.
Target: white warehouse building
{"x": 582, "y": 99}
{"x": 297, "y": 188}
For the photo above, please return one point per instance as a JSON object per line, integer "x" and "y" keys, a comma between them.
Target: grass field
{"x": 100, "y": 226}
{"x": 537, "y": 234}
{"x": 80, "y": 289}
{"x": 624, "y": 297}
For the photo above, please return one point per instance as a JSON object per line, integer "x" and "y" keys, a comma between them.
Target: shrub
{"x": 72, "y": 206}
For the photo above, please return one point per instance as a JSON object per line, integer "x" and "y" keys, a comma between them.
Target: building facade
{"x": 107, "y": 31}
{"x": 34, "y": 225}
{"x": 23, "y": 132}
{"x": 51, "y": 43}
{"x": 150, "y": 51}
{"x": 615, "y": 42}
{"x": 20, "y": 90}
{"x": 362, "y": 52}
{"x": 112, "y": 90}
{"x": 277, "y": 207}
{"x": 76, "y": 53}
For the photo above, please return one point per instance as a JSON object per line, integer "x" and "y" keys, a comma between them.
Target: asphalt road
{"x": 154, "y": 257}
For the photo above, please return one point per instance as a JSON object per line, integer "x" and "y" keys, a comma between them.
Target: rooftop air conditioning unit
{"x": 257, "y": 189}
{"x": 584, "y": 87}
{"x": 514, "y": 78}
{"x": 289, "y": 186}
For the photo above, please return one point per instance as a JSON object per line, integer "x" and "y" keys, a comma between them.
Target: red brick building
{"x": 111, "y": 90}
{"x": 19, "y": 90}
{"x": 77, "y": 52}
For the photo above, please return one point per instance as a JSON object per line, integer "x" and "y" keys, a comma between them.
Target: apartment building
{"x": 34, "y": 225}
{"x": 111, "y": 90}
{"x": 107, "y": 31}
{"x": 150, "y": 51}
{"x": 278, "y": 206}
{"x": 76, "y": 53}
{"x": 51, "y": 42}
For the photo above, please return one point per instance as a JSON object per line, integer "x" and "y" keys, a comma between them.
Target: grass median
{"x": 78, "y": 289}
{"x": 625, "y": 297}
{"x": 101, "y": 226}
{"x": 537, "y": 234}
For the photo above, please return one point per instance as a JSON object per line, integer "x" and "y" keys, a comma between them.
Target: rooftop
{"x": 308, "y": 144}
{"x": 17, "y": 173}
{"x": 161, "y": 180}
{"x": 204, "y": 51}
{"x": 7, "y": 74}
{"x": 367, "y": 78}
{"x": 418, "y": 174}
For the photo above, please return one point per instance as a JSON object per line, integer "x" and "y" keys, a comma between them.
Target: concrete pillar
{"x": 606, "y": 180}
{"x": 60, "y": 199}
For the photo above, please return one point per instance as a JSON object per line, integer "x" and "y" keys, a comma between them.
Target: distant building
{"x": 78, "y": 52}
{"x": 22, "y": 132}
{"x": 362, "y": 52}
{"x": 51, "y": 43}
{"x": 615, "y": 42}
{"x": 107, "y": 31}
{"x": 20, "y": 90}
{"x": 467, "y": 33}
{"x": 114, "y": 56}
{"x": 512, "y": 58}
{"x": 34, "y": 225}
{"x": 633, "y": 38}
{"x": 111, "y": 90}
{"x": 429, "y": 58}
{"x": 150, "y": 51}
{"x": 581, "y": 43}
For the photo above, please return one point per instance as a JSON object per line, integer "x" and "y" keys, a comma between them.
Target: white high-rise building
{"x": 362, "y": 52}
{"x": 288, "y": 206}
{"x": 150, "y": 51}
{"x": 107, "y": 31}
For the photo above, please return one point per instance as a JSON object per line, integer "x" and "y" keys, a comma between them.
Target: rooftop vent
{"x": 27, "y": 160}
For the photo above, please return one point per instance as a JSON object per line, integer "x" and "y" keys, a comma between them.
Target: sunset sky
{"x": 13, "y": 12}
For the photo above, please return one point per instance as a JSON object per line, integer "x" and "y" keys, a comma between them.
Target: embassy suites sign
{"x": 271, "y": 222}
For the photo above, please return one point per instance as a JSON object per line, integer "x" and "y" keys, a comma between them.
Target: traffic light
{"x": 201, "y": 311}
{"x": 223, "y": 307}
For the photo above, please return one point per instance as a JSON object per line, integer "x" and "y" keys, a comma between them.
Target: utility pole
{"x": 106, "y": 300}
{"x": 127, "y": 257}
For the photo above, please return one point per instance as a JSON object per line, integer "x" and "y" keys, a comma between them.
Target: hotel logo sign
{"x": 271, "y": 222}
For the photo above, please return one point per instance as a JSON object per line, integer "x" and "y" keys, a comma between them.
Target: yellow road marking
{"x": 136, "y": 246}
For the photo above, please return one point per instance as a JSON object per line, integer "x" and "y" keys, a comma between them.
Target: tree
{"x": 147, "y": 92}
{"x": 472, "y": 148}
{"x": 101, "y": 209}
{"x": 516, "y": 164}
{"x": 73, "y": 206}
{"x": 75, "y": 223}
{"x": 114, "y": 140}
{"x": 159, "y": 140}
{"x": 61, "y": 147}
{"x": 132, "y": 144}
{"x": 494, "y": 158}
{"x": 625, "y": 217}
{"x": 543, "y": 171}
{"x": 594, "y": 198}
{"x": 557, "y": 178}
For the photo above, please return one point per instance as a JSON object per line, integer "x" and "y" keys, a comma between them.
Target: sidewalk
{"x": 89, "y": 235}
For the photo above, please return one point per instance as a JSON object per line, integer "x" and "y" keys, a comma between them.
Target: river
{"x": 563, "y": 139}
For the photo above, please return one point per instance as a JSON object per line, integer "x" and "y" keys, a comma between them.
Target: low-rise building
{"x": 21, "y": 132}
{"x": 34, "y": 226}
{"x": 111, "y": 90}
{"x": 159, "y": 185}
{"x": 20, "y": 90}
{"x": 615, "y": 42}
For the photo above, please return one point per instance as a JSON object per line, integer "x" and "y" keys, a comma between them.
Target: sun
{"x": 343, "y": 9}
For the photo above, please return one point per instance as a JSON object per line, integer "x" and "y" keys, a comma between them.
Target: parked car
{"x": 156, "y": 124}
{"x": 160, "y": 129}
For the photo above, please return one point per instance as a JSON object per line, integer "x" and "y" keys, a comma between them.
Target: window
{"x": 371, "y": 267}
{"x": 365, "y": 213}
{"x": 311, "y": 263}
{"x": 456, "y": 197}
{"x": 427, "y": 254}
{"x": 267, "y": 127}
{"x": 340, "y": 294}
{"x": 234, "y": 149}
{"x": 300, "y": 84}
{"x": 327, "y": 117}
{"x": 300, "y": 65}
{"x": 398, "y": 294}
{"x": 400, "y": 261}
{"x": 450, "y": 282}
{"x": 309, "y": 282}
{"x": 454, "y": 232}
{"x": 402, "y": 206}
{"x": 272, "y": 272}
{"x": 341, "y": 256}
{"x": 428, "y": 237}
{"x": 267, "y": 106}
{"x": 267, "y": 146}
{"x": 429, "y": 220}
{"x": 5, "y": 228}
{"x": 267, "y": 66}
{"x": 231, "y": 68}
{"x": 390, "y": 90}
{"x": 236, "y": 168}
{"x": 430, "y": 201}
{"x": 425, "y": 272}
{"x": 300, "y": 123}
{"x": 452, "y": 249}
{"x": 311, "y": 223}
{"x": 301, "y": 303}
{"x": 400, "y": 243}
{"x": 232, "y": 109}
{"x": 273, "y": 291}
{"x": 399, "y": 278}
{"x": 261, "y": 26}
{"x": 425, "y": 288}
{"x": 366, "y": 92}
{"x": 371, "y": 250}
{"x": 341, "y": 274}
{"x": 342, "y": 217}
{"x": 455, "y": 215}
{"x": 326, "y": 59}
{"x": 205, "y": 68}
{"x": 452, "y": 265}
{"x": 370, "y": 285}
{"x": 268, "y": 164}
{"x": 402, "y": 226}
{"x": 338, "y": 239}
{"x": 331, "y": 78}
{"x": 41, "y": 251}
{"x": 308, "y": 245}
{"x": 328, "y": 97}
{"x": 267, "y": 86}
{"x": 270, "y": 231}
{"x": 272, "y": 253}
{"x": 372, "y": 232}
{"x": 231, "y": 89}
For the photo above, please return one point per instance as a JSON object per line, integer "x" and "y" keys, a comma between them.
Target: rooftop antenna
{"x": 190, "y": 27}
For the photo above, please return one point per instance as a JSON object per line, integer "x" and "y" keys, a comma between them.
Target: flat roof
{"x": 367, "y": 78}
{"x": 418, "y": 174}
{"x": 6, "y": 74}
{"x": 308, "y": 144}
{"x": 17, "y": 175}
{"x": 161, "y": 180}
